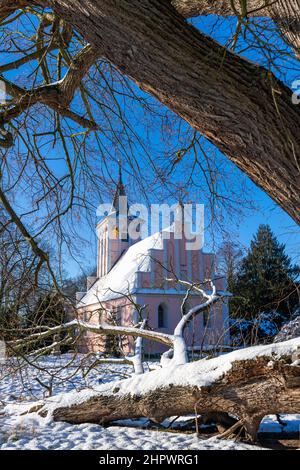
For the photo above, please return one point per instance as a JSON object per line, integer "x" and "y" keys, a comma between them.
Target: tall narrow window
{"x": 162, "y": 320}
{"x": 206, "y": 315}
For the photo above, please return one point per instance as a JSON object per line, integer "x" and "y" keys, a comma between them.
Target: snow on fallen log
{"x": 248, "y": 383}
{"x": 201, "y": 373}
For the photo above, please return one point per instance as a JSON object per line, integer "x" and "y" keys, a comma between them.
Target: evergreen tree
{"x": 266, "y": 280}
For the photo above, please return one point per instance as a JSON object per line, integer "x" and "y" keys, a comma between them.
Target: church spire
{"x": 120, "y": 191}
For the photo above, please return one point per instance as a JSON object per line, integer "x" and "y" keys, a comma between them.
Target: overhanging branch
{"x": 98, "y": 329}
{"x": 57, "y": 96}
{"x": 226, "y": 98}
{"x": 192, "y": 8}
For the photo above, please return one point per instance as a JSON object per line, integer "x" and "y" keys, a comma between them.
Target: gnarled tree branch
{"x": 57, "y": 96}
{"x": 225, "y": 97}
{"x": 285, "y": 13}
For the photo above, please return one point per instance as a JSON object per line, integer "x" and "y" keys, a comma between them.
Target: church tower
{"x": 112, "y": 232}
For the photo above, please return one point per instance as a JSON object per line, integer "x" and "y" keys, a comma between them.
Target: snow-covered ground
{"x": 18, "y": 386}
{"x": 62, "y": 436}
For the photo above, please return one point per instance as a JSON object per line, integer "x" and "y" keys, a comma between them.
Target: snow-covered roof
{"x": 121, "y": 279}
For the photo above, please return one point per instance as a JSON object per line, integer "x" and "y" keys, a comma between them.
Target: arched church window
{"x": 162, "y": 316}
{"x": 206, "y": 318}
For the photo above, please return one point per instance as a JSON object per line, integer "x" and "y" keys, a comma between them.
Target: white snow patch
{"x": 63, "y": 436}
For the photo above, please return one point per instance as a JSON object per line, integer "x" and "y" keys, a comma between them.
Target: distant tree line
{"x": 265, "y": 286}
{"x": 28, "y": 297}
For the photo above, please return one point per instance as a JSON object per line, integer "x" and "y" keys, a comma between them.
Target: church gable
{"x": 147, "y": 271}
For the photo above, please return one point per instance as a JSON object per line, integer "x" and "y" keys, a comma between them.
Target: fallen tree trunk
{"x": 248, "y": 384}
{"x": 241, "y": 108}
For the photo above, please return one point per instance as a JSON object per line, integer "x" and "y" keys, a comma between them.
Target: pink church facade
{"x": 142, "y": 272}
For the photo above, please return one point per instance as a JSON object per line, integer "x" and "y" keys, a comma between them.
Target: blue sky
{"x": 159, "y": 143}
{"x": 265, "y": 211}
{"x": 287, "y": 70}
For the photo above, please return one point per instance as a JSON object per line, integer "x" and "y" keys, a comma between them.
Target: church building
{"x": 142, "y": 272}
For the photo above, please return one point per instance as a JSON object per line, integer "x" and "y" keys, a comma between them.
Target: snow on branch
{"x": 180, "y": 355}
{"x": 94, "y": 328}
{"x": 137, "y": 358}
{"x": 177, "y": 354}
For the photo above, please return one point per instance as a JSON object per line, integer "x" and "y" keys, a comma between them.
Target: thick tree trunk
{"x": 238, "y": 106}
{"x": 190, "y": 8}
{"x": 249, "y": 389}
{"x": 285, "y": 13}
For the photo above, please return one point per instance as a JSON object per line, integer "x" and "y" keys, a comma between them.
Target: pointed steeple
{"x": 120, "y": 191}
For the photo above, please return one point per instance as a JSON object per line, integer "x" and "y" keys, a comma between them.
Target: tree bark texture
{"x": 250, "y": 390}
{"x": 238, "y": 106}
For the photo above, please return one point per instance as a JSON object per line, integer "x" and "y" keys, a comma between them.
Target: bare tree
{"x": 83, "y": 57}
{"x": 248, "y": 383}
{"x": 225, "y": 97}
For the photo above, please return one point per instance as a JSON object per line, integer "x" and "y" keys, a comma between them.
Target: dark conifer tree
{"x": 266, "y": 280}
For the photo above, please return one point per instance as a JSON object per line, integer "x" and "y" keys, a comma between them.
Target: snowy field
{"x": 21, "y": 385}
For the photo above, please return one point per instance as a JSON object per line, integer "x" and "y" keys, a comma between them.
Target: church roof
{"x": 121, "y": 280}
